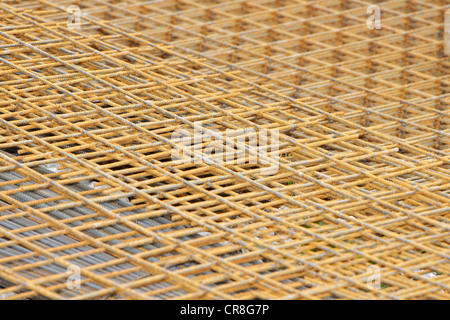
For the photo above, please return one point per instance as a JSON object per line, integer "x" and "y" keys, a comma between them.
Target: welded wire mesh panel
{"x": 102, "y": 197}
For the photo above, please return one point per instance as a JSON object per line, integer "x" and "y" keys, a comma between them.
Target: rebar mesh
{"x": 87, "y": 178}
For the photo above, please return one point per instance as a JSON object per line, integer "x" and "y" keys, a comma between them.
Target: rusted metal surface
{"x": 88, "y": 180}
